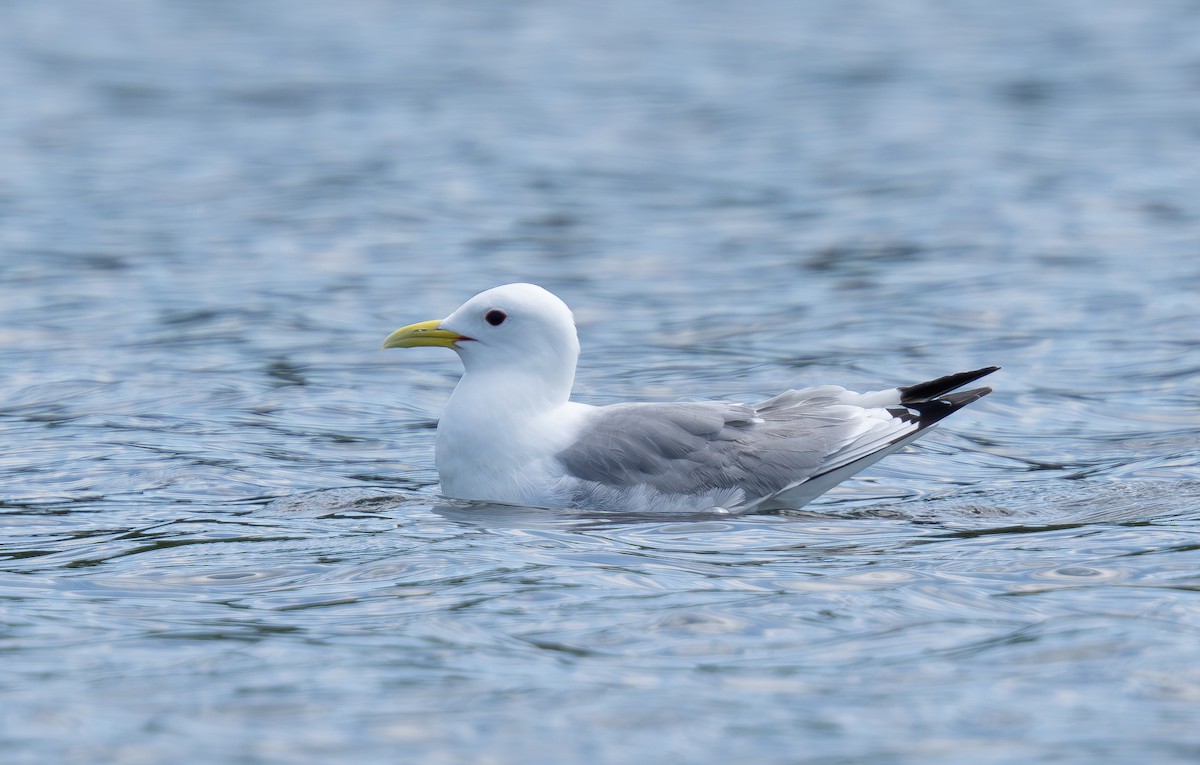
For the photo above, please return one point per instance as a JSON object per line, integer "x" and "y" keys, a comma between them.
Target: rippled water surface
{"x": 222, "y": 540}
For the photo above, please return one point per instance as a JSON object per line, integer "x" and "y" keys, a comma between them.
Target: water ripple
{"x": 221, "y": 532}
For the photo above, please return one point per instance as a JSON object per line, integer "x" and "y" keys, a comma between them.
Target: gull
{"x": 510, "y": 433}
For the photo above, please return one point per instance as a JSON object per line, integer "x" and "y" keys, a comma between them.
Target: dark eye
{"x": 494, "y": 317}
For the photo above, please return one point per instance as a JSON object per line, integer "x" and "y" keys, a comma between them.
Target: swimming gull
{"x": 510, "y": 434}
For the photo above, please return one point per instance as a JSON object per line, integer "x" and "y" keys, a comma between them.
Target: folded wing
{"x": 782, "y": 452}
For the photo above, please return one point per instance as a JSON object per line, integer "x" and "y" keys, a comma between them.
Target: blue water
{"x": 220, "y": 534}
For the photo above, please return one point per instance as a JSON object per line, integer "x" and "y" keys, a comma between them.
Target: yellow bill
{"x": 424, "y": 333}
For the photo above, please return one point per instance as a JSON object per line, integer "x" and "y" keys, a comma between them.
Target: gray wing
{"x": 698, "y": 448}
{"x": 781, "y": 452}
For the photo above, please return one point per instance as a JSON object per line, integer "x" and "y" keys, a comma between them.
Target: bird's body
{"x": 510, "y": 433}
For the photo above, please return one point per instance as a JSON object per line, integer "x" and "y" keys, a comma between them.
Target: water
{"x": 221, "y": 537}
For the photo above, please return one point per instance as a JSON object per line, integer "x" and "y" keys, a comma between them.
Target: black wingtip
{"x": 933, "y": 400}
{"x": 932, "y": 389}
{"x": 930, "y": 411}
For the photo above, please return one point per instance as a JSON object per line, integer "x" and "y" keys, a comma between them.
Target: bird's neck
{"x": 511, "y": 392}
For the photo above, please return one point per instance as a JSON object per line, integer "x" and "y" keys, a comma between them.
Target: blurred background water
{"x": 221, "y": 535}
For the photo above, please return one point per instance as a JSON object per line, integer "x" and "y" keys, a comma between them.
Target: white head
{"x": 519, "y": 331}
